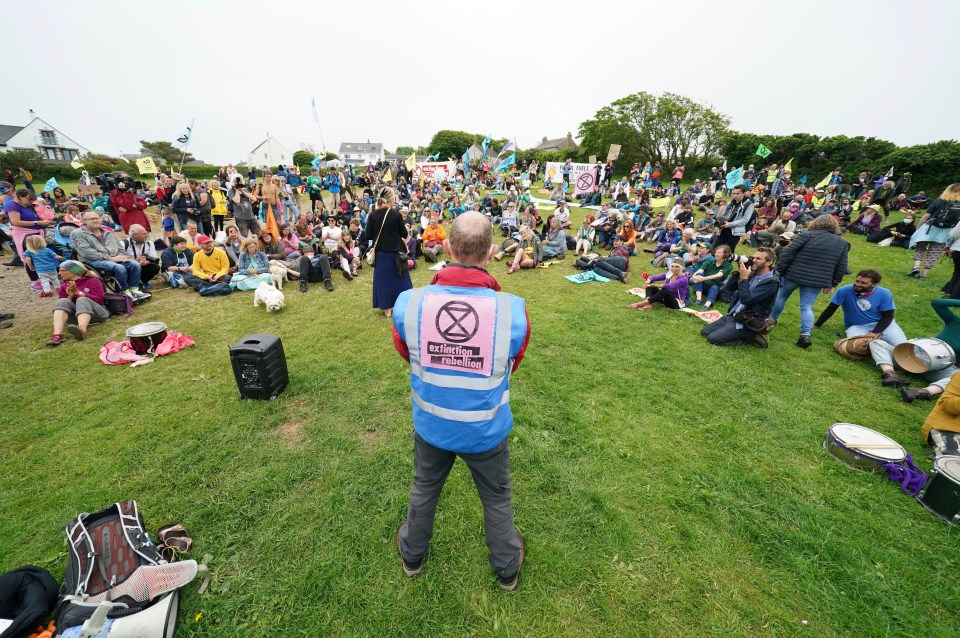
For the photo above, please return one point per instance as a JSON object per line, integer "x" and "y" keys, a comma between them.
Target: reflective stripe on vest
{"x": 501, "y": 360}
{"x": 463, "y": 416}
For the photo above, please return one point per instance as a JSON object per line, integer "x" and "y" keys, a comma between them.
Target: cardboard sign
{"x": 613, "y": 153}
{"x": 593, "y": 159}
{"x": 456, "y": 333}
{"x": 92, "y": 189}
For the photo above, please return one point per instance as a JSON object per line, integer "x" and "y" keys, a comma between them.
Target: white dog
{"x": 270, "y": 296}
{"x": 278, "y": 272}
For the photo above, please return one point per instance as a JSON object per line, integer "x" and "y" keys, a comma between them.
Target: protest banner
{"x": 584, "y": 182}
{"x": 593, "y": 159}
{"x": 555, "y": 171}
{"x": 92, "y": 189}
{"x": 613, "y": 153}
{"x": 428, "y": 169}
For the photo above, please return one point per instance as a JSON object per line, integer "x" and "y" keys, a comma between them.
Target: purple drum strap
{"x": 910, "y": 477}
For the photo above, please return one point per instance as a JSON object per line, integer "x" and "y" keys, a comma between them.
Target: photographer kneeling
{"x": 750, "y": 306}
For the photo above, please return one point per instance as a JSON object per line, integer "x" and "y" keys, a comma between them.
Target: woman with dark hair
{"x": 385, "y": 233}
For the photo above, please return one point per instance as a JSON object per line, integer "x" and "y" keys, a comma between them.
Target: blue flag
{"x": 434, "y": 157}
{"x": 507, "y": 161}
{"x": 315, "y": 162}
{"x": 51, "y": 184}
{"x": 466, "y": 164}
{"x": 803, "y": 180}
{"x": 735, "y": 177}
{"x": 486, "y": 147}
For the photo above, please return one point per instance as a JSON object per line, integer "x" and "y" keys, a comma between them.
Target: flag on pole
{"x": 147, "y": 166}
{"x": 466, "y": 163}
{"x": 508, "y": 161}
{"x": 803, "y": 180}
{"x": 184, "y": 139}
{"x": 823, "y": 182}
{"x": 77, "y": 164}
{"x": 889, "y": 173}
{"x": 411, "y": 162}
{"x": 315, "y": 162}
{"x": 509, "y": 147}
{"x": 51, "y": 184}
{"x": 434, "y": 157}
{"x": 586, "y": 181}
{"x": 313, "y": 108}
{"x": 763, "y": 151}
{"x": 486, "y": 147}
{"x": 270, "y": 224}
{"x": 724, "y": 166}
{"x": 388, "y": 177}
{"x": 735, "y": 177}
{"x": 788, "y": 167}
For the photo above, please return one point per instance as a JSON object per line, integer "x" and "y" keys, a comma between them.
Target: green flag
{"x": 763, "y": 151}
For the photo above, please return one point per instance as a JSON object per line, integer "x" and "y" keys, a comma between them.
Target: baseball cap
{"x": 203, "y": 239}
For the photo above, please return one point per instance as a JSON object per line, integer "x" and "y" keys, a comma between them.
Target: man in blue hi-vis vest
{"x": 463, "y": 339}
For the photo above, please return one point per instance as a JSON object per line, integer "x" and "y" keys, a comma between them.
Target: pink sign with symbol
{"x": 456, "y": 333}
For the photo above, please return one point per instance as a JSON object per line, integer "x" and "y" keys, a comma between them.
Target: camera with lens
{"x": 109, "y": 181}
{"x": 742, "y": 259}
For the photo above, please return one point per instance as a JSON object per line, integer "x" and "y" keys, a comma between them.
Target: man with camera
{"x": 756, "y": 289}
{"x": 733, "y": 219}
{"x": 243, "y": 201}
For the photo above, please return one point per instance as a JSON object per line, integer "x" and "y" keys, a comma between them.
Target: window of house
{"x": 264, "y": 156}
{"x": 68, "y": 154}
{"x": 51, "y": 153}
{"x": 49, "y": 137}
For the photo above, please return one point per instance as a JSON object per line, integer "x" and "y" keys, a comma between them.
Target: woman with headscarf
{"x": 80, "y": 302}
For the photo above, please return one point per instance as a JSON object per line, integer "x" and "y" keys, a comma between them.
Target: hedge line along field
{"x": 665, "y": 487}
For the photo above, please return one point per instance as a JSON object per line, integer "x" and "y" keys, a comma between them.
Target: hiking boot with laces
{"x": 893, "y": 380}
{"x": 909, "y": 395}
{"x": 409, "y": 569}
{"x": 509, "y": 583}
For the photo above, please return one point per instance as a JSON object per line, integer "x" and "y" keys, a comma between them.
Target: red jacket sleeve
{"x": 523, "y": 349}
{"x": 400, "y": 345}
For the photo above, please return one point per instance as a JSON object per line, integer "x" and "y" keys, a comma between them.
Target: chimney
{"x": 569, "y": 136}
{"x": 32, "y": 115}
{"x": 544, "y": 139}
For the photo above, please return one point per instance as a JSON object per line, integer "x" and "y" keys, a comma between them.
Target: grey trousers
{"x": 724, "y": 332}
{"x": 491, "y": 475}
{"x": 83, "y": 306}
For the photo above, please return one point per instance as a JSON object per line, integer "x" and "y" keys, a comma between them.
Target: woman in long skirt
{"x": 386, "y": 232}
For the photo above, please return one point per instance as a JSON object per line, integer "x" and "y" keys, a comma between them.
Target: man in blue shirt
{"x": 867, "y": 309}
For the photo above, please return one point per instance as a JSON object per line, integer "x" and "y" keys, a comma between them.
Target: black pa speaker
{"x": 259, "y": 366}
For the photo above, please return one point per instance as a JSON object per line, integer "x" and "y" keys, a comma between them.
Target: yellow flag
{"x": 77, "y": 164}
{"x": 147, "y": 166}
{"x": 411, "y": 162}
{"x": 825, "y": 181}
{"x": 423, "y": 178}
{"x": 788, "y": 167}
{"x": 388, "y": 177}
{"x": 658, "y": 202}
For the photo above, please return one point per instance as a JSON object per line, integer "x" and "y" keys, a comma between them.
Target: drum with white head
{"x": 862, "y": 448}
{"x": 942, "y": 493}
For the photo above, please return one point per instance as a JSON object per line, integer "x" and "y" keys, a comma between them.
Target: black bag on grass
{"x": 114, "y": 300}
{"x": 27, "y": 596}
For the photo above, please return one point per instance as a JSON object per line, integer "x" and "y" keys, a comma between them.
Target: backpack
{"x": 947, "y": 217}
{"x": 114, "y": 300}
{"x": 114, "y": 572}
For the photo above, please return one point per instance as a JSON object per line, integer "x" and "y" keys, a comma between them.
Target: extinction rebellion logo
{"x": 460, "y": 335}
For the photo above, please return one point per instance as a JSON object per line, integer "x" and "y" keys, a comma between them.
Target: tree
{"x": 454, "y": 143}
{"x": 167, "y": 151}
{"x": 29, "y": 159}
{"x": 405, "y": 150}
{"x": 670, "y": 129}
{"x": 303, "y": 158}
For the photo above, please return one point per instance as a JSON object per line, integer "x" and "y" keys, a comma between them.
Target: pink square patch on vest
{"x": 456, "y": 333}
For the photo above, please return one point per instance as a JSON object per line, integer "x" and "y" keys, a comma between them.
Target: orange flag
{"x": 271, "y": 224}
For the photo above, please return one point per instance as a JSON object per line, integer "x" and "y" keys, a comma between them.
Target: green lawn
{"x": 665, "y": 487}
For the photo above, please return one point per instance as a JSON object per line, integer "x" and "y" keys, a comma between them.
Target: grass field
{"x": 665, "y": 487}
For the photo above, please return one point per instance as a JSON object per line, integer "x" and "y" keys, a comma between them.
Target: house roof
{"x": 7, "y": 131}
{"x": 556, "y": 144}
{"x": 361, "y": 147}
{"x": 269, "y": 137}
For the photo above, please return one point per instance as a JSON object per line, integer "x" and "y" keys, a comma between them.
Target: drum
{"x": 924, "y": 355}
{"x": 942, "y": 493}
{"x": 145, "y": 337}
{"x": 862, "y": 448}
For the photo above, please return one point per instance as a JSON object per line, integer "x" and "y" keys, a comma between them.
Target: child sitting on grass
{"x": 529, "y": 251}
{"x": 43, "y": 261}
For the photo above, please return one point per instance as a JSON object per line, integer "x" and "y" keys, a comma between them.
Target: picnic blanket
{"x": 585, "y": 277}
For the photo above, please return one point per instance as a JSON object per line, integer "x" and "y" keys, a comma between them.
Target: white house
{"x": 360, "y": 153}
{"x": 38, "y": 135}
{"x": 270, "y": 153}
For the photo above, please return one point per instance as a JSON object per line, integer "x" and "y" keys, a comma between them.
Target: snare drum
{"x": 924, "y": 355}
{"x": 862, "y": 448}
{"x": 145, "y": 337}
{"x": 942, "y": 493}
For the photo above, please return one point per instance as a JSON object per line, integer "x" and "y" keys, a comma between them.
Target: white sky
{"x": 396, "y": 72}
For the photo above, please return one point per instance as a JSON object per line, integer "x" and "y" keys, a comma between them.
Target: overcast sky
{"x": 109, "y": 74}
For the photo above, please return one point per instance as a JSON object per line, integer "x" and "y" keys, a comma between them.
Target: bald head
{"x": 471, "y": 239}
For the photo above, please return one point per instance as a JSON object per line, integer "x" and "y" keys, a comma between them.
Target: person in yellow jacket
{"x": 219, "y": 200}
{"x": 210, "y": 264}
{"x": 433, "y": 237}
{"x": 944, "y": 419}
